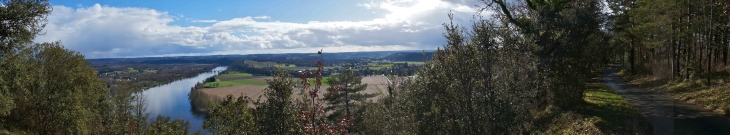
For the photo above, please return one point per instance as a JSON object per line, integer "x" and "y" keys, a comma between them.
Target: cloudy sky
{"x": 140, "y": 28}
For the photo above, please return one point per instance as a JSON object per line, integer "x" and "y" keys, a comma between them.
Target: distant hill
{"x": 291, "y": 58}
{"x": 410, "y": 56}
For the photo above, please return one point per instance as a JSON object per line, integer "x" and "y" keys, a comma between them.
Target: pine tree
{"x": 345, "y": 93}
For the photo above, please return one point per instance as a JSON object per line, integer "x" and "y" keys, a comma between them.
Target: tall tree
{"x": 21, "y": 21}
{"x": 561, "y": 30}
{"x": 346, "y": 93}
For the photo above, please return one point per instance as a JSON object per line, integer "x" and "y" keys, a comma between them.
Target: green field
{"x": 233, "y": 75}
{"x": 232, "y": 79}
{"x": 234, "y": 83}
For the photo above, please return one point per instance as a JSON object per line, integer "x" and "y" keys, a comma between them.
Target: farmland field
{"x": 376, "y": 84}
{"x": 233, "y": 76}
{"x": 249, "y": 90}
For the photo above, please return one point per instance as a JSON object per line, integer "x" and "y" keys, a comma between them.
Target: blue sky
{"x": 140, "y": 28}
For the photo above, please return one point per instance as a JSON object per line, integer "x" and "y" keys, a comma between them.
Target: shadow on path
{"x": 667, "y": 115}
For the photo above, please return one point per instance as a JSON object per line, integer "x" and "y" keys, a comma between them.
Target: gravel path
{"x": 666, "y": 114}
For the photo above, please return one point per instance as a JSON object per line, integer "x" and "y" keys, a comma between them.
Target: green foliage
{"x": 60, "y": 92}
{"x": 473, "y": 86}
{"x": 278, "y": 114}
{"x": 231, "y": 117}
{"x": 560, "y": 33}
{"x": 393, "y": 114}
{"x": 162, "y": 125}
{"x": 210, "y": 79}
{"x": 22, "y": 20}
{"x": 201, "y": 102}
{"x": 345, "y": 93}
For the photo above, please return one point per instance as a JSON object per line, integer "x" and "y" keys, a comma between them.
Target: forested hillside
{"x": 47, "y": 89}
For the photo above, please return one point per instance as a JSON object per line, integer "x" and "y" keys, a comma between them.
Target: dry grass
{"x": 715, "y": 97}
{"x": 376, "y": 84}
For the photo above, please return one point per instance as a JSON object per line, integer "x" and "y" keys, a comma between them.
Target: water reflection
{"x": 172, "y": 99}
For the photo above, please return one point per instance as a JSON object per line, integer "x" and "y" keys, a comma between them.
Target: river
{"x": 172, "y": 99}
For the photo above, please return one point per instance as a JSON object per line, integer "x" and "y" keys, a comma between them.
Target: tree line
{"x": 675, "y": 39}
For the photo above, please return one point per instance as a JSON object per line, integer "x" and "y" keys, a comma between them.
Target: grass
{"x": 604, "y": 112}
{"x": 233, "y": 75}
{"x": 234, "y": 83}
{"x": 716, "y": 98}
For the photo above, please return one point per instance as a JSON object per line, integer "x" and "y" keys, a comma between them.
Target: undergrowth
{"x": 603, "y": 112}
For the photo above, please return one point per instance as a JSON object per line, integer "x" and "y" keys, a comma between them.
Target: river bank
{"x": 172, "y": 99}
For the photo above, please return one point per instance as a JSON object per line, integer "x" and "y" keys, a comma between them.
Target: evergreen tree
{"x": 345, "y": 93}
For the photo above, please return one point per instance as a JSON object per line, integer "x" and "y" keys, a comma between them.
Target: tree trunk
{"x": 726, "y": 47}
{"x": 631, "y": 57}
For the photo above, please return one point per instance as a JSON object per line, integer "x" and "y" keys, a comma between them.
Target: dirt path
{"x": 666, "y": 114}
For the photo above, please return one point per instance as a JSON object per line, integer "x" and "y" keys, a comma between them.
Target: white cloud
{"x": 205, "y": 21}
{"x": 262, "y": 17}
{"x": 103, "y": 31}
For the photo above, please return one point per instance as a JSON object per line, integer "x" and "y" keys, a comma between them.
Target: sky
{"x": 144, "y": 28}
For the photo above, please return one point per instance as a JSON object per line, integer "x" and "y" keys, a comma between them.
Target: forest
{"x": 530, "y": 67}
